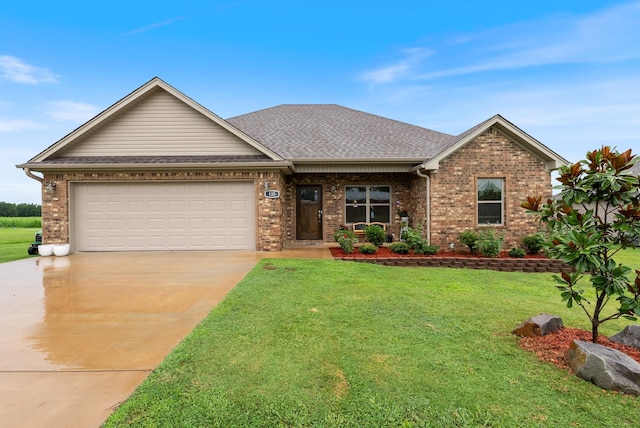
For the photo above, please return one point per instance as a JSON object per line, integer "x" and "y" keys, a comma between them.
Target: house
{"x": 158, "y": 171}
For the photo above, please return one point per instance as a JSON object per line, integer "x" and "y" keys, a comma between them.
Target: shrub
{"x": 469, "y": 238}
{"x": 346, "y": 238}
{"x": 414, "y": 238}
{"x": 533, "y": 243}
{"x": 368, "y": 248}
{"x": 488, "y": 244}
{"x": 426, "y": 249}
{"x": 399, "y": 248}
{"x": 517, "y": 252}
{"x": 375, "y": 234}
{"x": 343, "y": 232}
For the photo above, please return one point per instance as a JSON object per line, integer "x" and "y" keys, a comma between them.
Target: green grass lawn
{"x": 322, "y": 343}
{"x": 14, "y": 243}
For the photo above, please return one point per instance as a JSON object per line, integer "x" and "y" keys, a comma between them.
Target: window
{"x": 490, "y": 200}
{"x": 367, "y": 204}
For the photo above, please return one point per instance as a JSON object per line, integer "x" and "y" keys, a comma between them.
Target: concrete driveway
{"x": 80, "y": 333}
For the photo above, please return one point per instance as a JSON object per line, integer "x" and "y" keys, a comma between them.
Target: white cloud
{"x": 16, "y": 125}
{"x": 606, "y": 36}
{"x": 609, "y": 35}
{"x": 156, "y": 25}
{"x": 15, "y": 70}
{"x": 412, "y": 57}
{"x": 72, "y": 111}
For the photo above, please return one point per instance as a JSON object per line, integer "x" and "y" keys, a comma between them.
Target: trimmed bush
{"x": 469, "y": 238}
{"x": 533, "y": 243}
{"x": 368, "y": 248}
{"x": 426, "y": 249}
{"x": 399, "y": 248}
{"x": 517, "y": 252}
{"x": 375, "y": 234}
{"x": 488, "y": 244}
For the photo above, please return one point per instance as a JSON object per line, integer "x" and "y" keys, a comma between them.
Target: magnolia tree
{"x": 595, "y": 215}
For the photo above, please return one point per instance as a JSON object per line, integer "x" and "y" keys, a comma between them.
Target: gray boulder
{"x": 539, "y": 325}
{"x": 630, "y": 336}
{"x": 608, "y": 368}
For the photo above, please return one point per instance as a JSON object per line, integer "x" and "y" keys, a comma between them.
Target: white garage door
{"x": 163, "y": 216}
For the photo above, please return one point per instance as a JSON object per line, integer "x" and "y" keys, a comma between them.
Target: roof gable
{"x": 551, "y": 159}
{"x": 155, "y": 120}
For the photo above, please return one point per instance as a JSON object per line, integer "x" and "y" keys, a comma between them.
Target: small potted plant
{"x": 404, "y": 216}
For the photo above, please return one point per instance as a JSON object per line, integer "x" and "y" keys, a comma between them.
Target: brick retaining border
{"x": 503, "y": 265}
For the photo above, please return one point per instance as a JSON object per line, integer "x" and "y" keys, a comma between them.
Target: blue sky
{"x": 566, "y": 72}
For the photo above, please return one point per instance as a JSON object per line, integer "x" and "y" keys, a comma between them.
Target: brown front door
{"x": 309, "y": 212}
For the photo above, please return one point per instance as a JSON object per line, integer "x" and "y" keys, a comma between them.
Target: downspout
{"x": 32, "y": 175}
{"x": 427, "y": 205}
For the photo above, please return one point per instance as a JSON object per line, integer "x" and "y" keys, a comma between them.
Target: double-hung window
{"x": 490, "y": 201}
{"x": 367, "y": 204}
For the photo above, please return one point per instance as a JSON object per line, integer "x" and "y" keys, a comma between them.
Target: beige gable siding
{"x": 160, "y": 125}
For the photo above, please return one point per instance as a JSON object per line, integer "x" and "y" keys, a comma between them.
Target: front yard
{"x": 329, "y": 343}
{"x": 14, "y": 242}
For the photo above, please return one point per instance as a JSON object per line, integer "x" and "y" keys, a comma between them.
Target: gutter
{"x": 427, "y": 203}
{"x": 283, "y": 166}
{"x": 32, "y": 175}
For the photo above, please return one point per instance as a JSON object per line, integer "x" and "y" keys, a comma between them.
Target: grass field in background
{"x": 326, "y": 343}
{"x": 20, "y": 222}
{"x": 14, "y": 242}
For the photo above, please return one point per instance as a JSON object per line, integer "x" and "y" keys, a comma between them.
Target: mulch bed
{"x": 385, "y": 252}
{"x": 553, "y": 347}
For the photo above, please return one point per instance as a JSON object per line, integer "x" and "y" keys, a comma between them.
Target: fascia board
{"x": 59, "y": 168}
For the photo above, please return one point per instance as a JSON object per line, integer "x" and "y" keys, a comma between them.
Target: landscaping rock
{"x": 539, "y": 325}
{"x": 630, "y": 336}
{"x": 606, "y": 367}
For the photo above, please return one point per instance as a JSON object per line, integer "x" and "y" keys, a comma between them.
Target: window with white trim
{"x": 490, "y": 201}
{"x": 367, "y": 204}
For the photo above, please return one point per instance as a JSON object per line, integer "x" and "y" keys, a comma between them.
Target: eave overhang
{"x": 360, "y": 165}
{"x": 284, "y": 167}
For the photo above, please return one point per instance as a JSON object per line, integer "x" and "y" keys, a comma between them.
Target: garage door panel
{"x": 163, "y": 216}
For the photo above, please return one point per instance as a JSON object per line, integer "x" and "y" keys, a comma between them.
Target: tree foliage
{"x": 8, "y": 209}
{"x": 595, "y": 215}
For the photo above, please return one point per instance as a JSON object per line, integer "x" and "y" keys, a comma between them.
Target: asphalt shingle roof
{"x": 329, "y": 131}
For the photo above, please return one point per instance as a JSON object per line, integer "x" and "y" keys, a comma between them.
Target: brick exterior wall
{"x": 453, "y": 188}
{"x": 269, "y": 212}
{"x": 452, "y": 195}
{"x": 334, "y": 203}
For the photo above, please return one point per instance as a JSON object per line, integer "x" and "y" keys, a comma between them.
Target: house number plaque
{"x": 272, "y": 194}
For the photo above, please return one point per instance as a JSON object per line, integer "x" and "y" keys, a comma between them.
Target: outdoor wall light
{"x": 333, "y": 189}
{"x": 265, "y": 185}
{"x": 50, "y": 187}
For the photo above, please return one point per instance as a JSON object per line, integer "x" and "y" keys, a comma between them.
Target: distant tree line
{"x": 20, "y": 210}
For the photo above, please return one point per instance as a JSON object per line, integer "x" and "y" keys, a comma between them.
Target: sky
{"x": 565, "y": 72}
